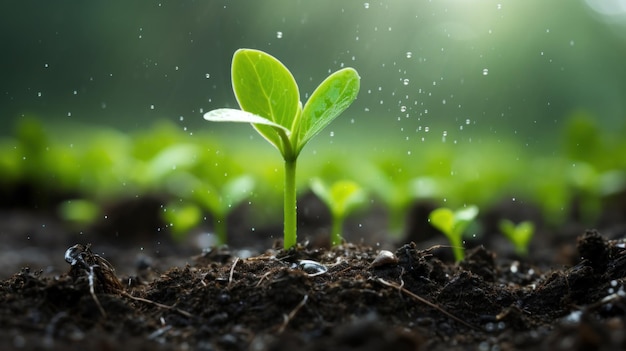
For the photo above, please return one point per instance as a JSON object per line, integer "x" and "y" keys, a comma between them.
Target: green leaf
{"x": 333, "y": 96}
{"x": 233, "y": 115}
{"x": 341, "y": 197}
{"x": 442, "y": 219}
{"x": 264, "y": 86}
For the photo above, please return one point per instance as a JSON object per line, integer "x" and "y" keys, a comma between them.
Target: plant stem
{"x": 290, "y": 205}
{"x": 337, "y": 229}
{"x": 219, "y": 224}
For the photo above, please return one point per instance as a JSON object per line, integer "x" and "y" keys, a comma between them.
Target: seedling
{"x": 269, "y": 99}
{"x": 452, "y": 224}
{"x": 519, "y": 234}
{"x": 342, "y": 197}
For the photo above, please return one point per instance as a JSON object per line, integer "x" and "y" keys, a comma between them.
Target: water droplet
{"x": 409, "y": 54}
{"x": 332, "y": 133}
{"x": 405, "y": 81}
{"x": 485, "y": 71}
{"x": 279, "y": 35}
{"x": 366, "y": 5}
{"x": 313, "y": 268}
{"x": 207, "y": 75}
{"x": 152, "y": 107}
{"x": 39, "y": 94}
{"x": 402, "y": 108}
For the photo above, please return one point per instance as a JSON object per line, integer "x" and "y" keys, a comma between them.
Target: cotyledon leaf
{"x": 329, "y": 100}
{"x": 234, "y": 115}
{"x": 265, "y": 87}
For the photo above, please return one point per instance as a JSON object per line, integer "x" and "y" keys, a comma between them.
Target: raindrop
{"x": 207, "y": 75}
{"x": 313, "y": 268}
{"x": 409, "y": 54}
{"x": 279, "y": 35}
{"x": 402, "y": 108}
{"x": 39, "y": 94}
{"x": 485, "y": 71}
{"x": 152, "y": 107}
{"x": 366, "y": 5}
{"x": 332, "y": 133}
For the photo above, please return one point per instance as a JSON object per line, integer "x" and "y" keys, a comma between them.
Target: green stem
{"x": 337, "y": 229}
{"x": 290, "y": 215}
{"x": 457, "y": 248}
{"x": 219, "y": 224}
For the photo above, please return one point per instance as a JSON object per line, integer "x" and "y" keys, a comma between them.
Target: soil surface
{"x": 110, "y": 295}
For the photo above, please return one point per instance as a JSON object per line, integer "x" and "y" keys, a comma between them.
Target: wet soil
{"x": 357, "y": 296}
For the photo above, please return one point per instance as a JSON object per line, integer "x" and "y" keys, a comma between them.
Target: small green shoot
{"x": 182, "y": 218}
{"x": 342, "y": 197}
{"x": 269, "y": 99}
{"x": 520, "y": 234}
{"x": 452, "y": 224}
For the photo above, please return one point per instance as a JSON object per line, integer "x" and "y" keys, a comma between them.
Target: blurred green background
{"x": 459, "y": 99}
{"x": 511, "y": 68}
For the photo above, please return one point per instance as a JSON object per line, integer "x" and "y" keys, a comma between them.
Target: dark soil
{"x": 353, "y": 297}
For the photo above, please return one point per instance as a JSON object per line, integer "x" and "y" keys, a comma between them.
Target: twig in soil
{"x": 92, "y": 291}
{"x": 262, "y": 278}
{"x": 232, "y": 271}
{"x": 168, "y": 307}
{"x": 292, "y": 314}
{"x": 426, "y": 302}
{"x": 98, "y": 269}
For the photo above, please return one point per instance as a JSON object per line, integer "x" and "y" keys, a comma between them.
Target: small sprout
{"x": 384, "y": 258}
{"x": 341, "y": 198}
{"x": 269, "y": 99}
{"x": 520, "y": 234}
{"x": 182, "y": 218}
{"x": 453, "y": 224}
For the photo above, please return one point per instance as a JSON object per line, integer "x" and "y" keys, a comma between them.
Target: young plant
{"x": 519, "y": 234}
{"x": 453, "y": 224}
{"x": 342, "y": 197}
{"x": 269, "y": 99}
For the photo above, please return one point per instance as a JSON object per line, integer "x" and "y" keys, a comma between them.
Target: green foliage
{"x": 270, "y": 100}
{"x": 519, "y": 234}
{"x": 342, "y": 197}
{"x": 181, "y": 218}
{"x": 453, "y": 224}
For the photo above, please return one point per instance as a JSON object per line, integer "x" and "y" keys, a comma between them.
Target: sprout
{"x": 342, "y": 197}
{"x": 453, "y": 224}
{"x": 270, "y": 100}
{"x": 519, "y": 234}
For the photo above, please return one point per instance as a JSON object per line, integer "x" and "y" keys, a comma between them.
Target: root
{"x": 426, "y": 302}
{"x": 292, "y": 314}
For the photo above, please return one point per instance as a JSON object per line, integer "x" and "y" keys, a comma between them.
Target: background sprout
{"x": 270, "y": 100}
{"x": 219, "y": 200}
{"x": 181, "y": 218}
{"x": 453, "y": 224}
{"x": 342, "y": 197}
{"x": 519, "y": 234}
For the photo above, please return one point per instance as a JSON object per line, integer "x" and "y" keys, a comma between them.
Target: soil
{"x": 139, "y": 292}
